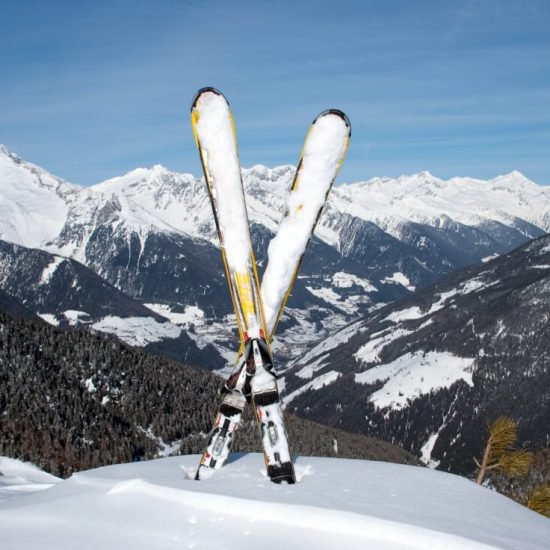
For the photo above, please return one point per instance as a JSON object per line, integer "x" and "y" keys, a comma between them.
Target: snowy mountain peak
{"x": 423, "y": 176}
{"x": 424, "y": 198}
{"x": 273, "y": 175}
{"x": 33, "y": 202}
{"x": 15, "y": 170}
{"x": 517, "y": 173}
{"x": 513, "y": 179}
{"x": 130, "y": 179}
{"x": 4, "y": 151}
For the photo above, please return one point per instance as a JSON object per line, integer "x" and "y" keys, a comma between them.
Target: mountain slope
{"x": 66, "y": 293}
{"x": 52, "y": 284}
{"x": 336, "y": 504}
{"x": 71, "y": 400}
{"x": 13, "y": 307}
{"x": 429, "y": 372}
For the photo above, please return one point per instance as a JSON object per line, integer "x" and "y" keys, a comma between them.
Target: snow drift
{"x": 337, "y": 504}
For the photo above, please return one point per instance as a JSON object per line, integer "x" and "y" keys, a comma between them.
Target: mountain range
{"x": 149, "y": 239}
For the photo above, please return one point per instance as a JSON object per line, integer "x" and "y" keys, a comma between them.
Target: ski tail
{"x": 254, "y": 380}
{"x": 221, "y": 437}
{"x": 322, "y": 155}
{"x": 269, "y": 414}
{"x": 226, "y": 423}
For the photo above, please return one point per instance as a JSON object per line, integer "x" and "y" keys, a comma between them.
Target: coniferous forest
{"x": 72, "y": 400}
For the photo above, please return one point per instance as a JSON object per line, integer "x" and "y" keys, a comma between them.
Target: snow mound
{"x": 17, "y": 477}
{"x": 337, "y": 504}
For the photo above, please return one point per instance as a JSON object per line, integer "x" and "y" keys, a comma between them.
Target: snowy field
{"x": 413, "y": 375}
{"x": 336, "y": 504}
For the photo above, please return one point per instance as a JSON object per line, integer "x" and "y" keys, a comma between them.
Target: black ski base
{"x": 283, "y": 473}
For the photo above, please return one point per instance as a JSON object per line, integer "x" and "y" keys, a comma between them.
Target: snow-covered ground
{"x": 137, "y": 331}
{"x": 413, "y": 375}
{"x": 318, "y": 382}
{"x": 18, "y": 477}
{"x": 337, "y": 504}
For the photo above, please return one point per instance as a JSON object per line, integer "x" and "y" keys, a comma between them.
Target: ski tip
{"x": 205, "y": 90}
{"x": 336, "y": 112}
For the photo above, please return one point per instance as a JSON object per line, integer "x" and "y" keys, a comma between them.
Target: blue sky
{"x": 90, "y": 90}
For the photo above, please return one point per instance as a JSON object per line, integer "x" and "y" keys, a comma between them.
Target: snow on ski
{"x": 216, "y": 139}
{"x": 218, "y": 145}
{"x": 215, "y": 135}
{"x": 323, "y": 153}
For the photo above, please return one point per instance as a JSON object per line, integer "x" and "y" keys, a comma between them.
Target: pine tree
{"x": 500, "y": 454}
{"x": 538, "y": 499}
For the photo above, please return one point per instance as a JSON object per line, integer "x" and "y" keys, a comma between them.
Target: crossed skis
{"x": 258, "y": 309}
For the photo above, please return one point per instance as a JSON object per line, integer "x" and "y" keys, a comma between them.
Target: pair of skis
{"x": 258, "y": 309}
